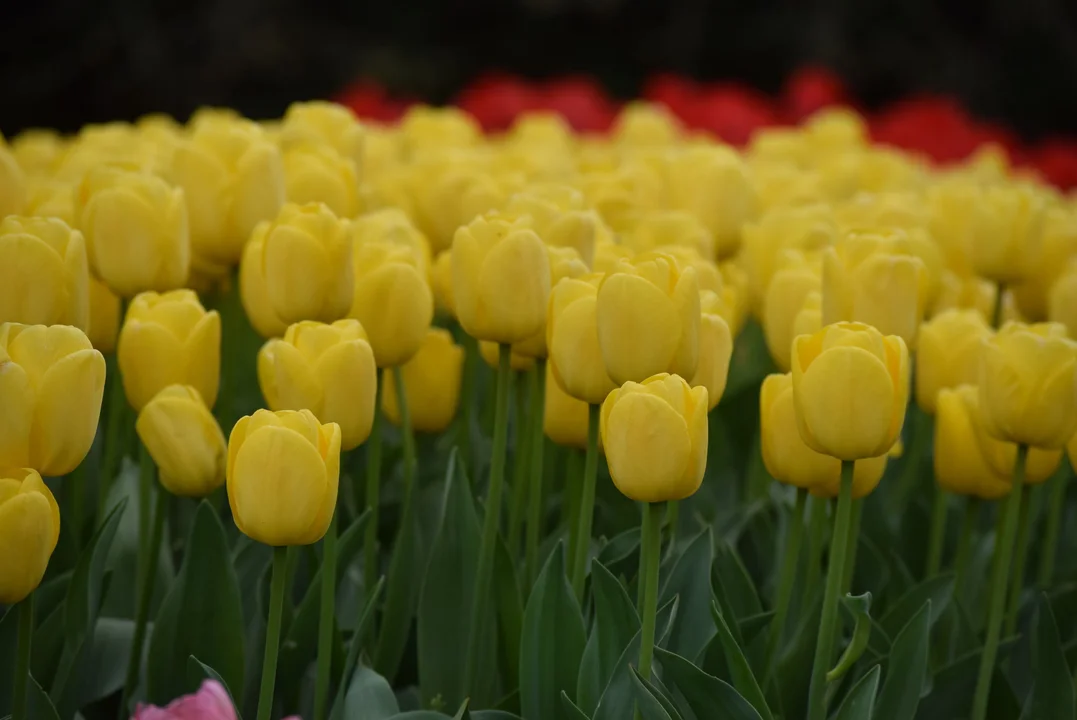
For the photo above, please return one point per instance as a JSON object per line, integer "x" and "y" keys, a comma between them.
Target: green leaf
{"x": 691, "y": 580}
{"x": 573, "y": 712}
{"x": 620, "y": 554}
{"x": 350, "y": 663}
{"x": 953, "y": 685}
{"x": 403, "y": 583}
{"x": 859, "y": 607}
{"x": 369, "y": 697}
{"x": 202, "y": 615}
{"x": 656, "y": 690}
{"x": 100, "y": 666}
{"x": 494, "y": 715}
{"x": 736, "y": 583}
{"x": 200, "y": 669}
{"x": 648, "y": 704}
{"x": 87, "y": 588}
{"x": 420, "y": 715}
{"x": 938, "y": 589}
{"x": 552, "y": 641}
{"x": 510, "y": 610}
{"x": 1052, "y": 691}
{"x": 743, "y": 677}
{"x": 706, "y": 696}
{"x": 616, "y": 621}
{"x": 860, "y": 702}
{"x": 905, "y": 670}
{"x": 38, "y": 704}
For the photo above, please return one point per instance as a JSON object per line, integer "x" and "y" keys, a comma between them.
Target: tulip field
{"x": 327, "y": 418}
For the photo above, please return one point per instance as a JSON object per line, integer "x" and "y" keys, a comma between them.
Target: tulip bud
{"x": 734, "y": 295}
{"x": 431, "y": 382}
{"x": 327, "y": 369}
{"x": 565, "y": 262}
{"x": 850, "y": 384}
{"x": 319, "y": 121}
{"x": 950, "y": 354}
{"x": 299, "y": 266}
{"x": 961, "y": 466}
{"x": 447, "y": 198}
{"x": 1063, "y": 300}
{"x": 809, "y": 319}
{"x": 1028, "y": 389}
{"x": 708, "y": 273}
{"x": 428, "y": 129}
{"x": 233, "y": 178}
{"x": 713, "y": 184}
{"x": 501, "y": 279}
{"x": 565, "y": 419}
{"x": 169, "y": 339}
{"x": 52, "y": 382}
{"x": 12, "y": 183}
{"x": 184, "y": 440}
{"x": 29, "y": 531}
{"x": 655, "y": 438}
{"x": 318, "y": 173}
{"x": 715, "y": 349}
{"x": 1058, "y": 246}
{"x": 648, "y": 318}
{"x": 806, "y": 228}
{"x": 49, "y": 198}
{"x": 38, "y": 151}
{"x": 623, "y": 194}
{"x": 798, "y": 276}
{"x": 283, "y": 476}
{"x": 441, "y": 283}
{"x": 104, "y": 316}
{"x": 661, "y": 228}
{"x": 643, "y": 124}
{"x": 969, "y": 292}
{"x": 44, "y": 276}
{"x": 607, "y": 254}
{"x": 560, "y": 216}
{"x": 575, "y": 357}
{"x": 1008, "y": 233}
{"x": 789, "y": 460}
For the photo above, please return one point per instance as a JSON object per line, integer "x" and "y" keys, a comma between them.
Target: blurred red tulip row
{"x": 933, "y": 125}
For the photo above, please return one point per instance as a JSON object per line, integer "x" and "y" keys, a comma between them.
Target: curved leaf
{"x": 369, "y": 697}
{"x": 647, "y": 704}
{"x": 570, "y": 709}
{"x": 1052, "y": 692}
{"x": 616, "y": 621}
{"x": 858, "y": 606}
{"x": 905, "y": 670}
{"x": 860, "y": 702}
{"x": 653, "y": 686}
{"x": 691, "y": 580}
{"x": 743, "y": 677}
{"x": 707, "y": 696}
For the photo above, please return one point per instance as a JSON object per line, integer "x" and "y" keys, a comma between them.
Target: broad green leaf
{"x": 200, "y": 669}
{"x": 552, "y": 641}
{"x": 621, "y": 553}
{"x": 510, "y": 611}
{"x": 750, "y": 627}
{"x": 87, "y": 588}
{"x": 648, "y": 705}
{"x": 193, "y": 621}
{"x": 652, "y": 689}
{"x": 707, "y": 696}
{"x": 938, "y": 590}
{"x": 953, "y": 685}
{"x": 366, "y": 615}
{"x": 616, "y": 621}
{"x": 38, "y": 704}
{"x": 571, "y": 712}
{"x": 736, "y": 582}
{"x": 403, "y": 583}
{"x": 369, "y": 697}
{"x": 743, "y": 677}
{"x": 100, "y": 666}
{"x": 905, "y": 669}
{"x": 795, "y": 663}
{"x": 691, "y": 580}
{"x": 1052, "y": 692}
{"x": 860, "y": 702}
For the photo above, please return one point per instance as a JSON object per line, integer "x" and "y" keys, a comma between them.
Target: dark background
{"x": 67, "y": 62}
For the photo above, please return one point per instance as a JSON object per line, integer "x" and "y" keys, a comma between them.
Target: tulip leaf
{"x": 199, "y": 669}
{"x": 87, "y": 588}
{"x": 403, "y": 583}
{"x": 616, "y": 621}
{"x": 691, "y": 580}
{"x": 366, "y": 615}
{"x": 552, "y": 641}
{"x": 860, "y": 702}
{"x": 9, "y": 630}
{"x": 570, "y": 710}
{"x": 905, "y": 670}
{"x": 620, "y": 554}
{"x": 38, "y": 704}
{"x": 100, "y": 666}
{"x": 1052, "y": 691}
{"x": 369, "y": 697}
{"x": 192, "y": 621}
{"x": 705, "y": 695}
{"x": 937, "y": 589}
{"x": 735, "y": 582}
{"x": 858, "y": 606}
{"x": 953, "y": 685}
{"x": 648, "y": 705}
{"x": 510, "y": 611}
{"x": 743, "y": 677}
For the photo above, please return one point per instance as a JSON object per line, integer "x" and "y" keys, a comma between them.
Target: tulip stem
{"x": 467, "y": 403}
{"x": 824, "y": 647}
{"x": 1000, "y": 573}
{"x": 587, "y": 502}
{"x": 145, "y": 595}
{"x": 816, "y": 530}
{"x": 794, "y": 532}
{"x": 996, "y": 312}
{"x": 326, "y": 619}
{"x": 938, "y": 533}
{"x": 492, "y": 519}
{"x": 112, "y": 452}
{"x": 1020, "y": 557}
{"x": 1055, "y": 505}
{"x": 535, "y": 504}
{"x": 969, "y": 520}
{"x": 521, "y": 423}
{"x": 276, "y": 611}
{"x": 570, "y": 500}
{"x": 650, "y": 553}
{"x": 146, "y": 476}
{"x": 373, "y": 488}
{"x": 851, "y": 548}
{"x": 22, "y": 658}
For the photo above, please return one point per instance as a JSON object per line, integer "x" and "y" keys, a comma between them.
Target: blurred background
{"x": 64, "y": 63}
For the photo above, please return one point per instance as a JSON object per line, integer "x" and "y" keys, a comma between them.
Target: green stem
{"x": 535, "y": 505}
{"x": 276, "y": 612}
{"x": 1020, "y": 557}
{"x": 570, "y": 500}
{"x": 650, "y": 552}
{"x": 492, "y": 519}
{"x": 794, "y": 532}
{"x": 816, "y": 531}
{"x": 22, "y": 658}
{"x": 970, "y": 517}
{"x": 1000, "y": 573}
{"x": 326, "y": 619}
{"x": 467, "y": 402}
{"x": 587, "y": 503}
{"x": 521, "y": 423}
{"x": 1055, "y": 505}
{"x": 938, "y": 533}
{"x": 996, "y": 313}
{"x": 145, "y": 596}
{"x": 824, "y": 647}
{"x": 373, "y": 488}
{"x": 673, "y": 517}
{"x": 146, "y": 475}
{"x": 854, "y": 543}
{"x": 112, "y": 450}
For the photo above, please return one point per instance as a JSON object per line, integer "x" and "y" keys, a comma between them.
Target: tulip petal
{"x": 34, "y": 285}
{"x": 648, "y": 448}
{"x": 68, "y": 410}
{"x": 16, "y": 415}
{"x": 297, "y": 269}
{"x": 638, "y": 327}
{"x": 350, "y": 375}
{"x": 26, "y": 524}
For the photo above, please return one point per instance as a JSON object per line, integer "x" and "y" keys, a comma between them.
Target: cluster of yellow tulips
{"x": 615, "y": 272}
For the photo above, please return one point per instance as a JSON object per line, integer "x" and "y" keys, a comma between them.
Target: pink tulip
{"x": 211, "y": 702}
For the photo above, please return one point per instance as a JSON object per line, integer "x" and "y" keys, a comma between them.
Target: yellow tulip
{"x": 447, "y": 195}
{"x": 327, "y": 369}
{"x": 184, "y": 440}
{"x": 969, "y": 292}
{"x": 104, "y": 316}
{"x": 316, "y": 172}
{"x": 501, "y": 279}
{"x": 659, "y": 228}
{"x": 950, "y": 354}
{"x": 623, "y": 194}
{"x": 38, "y": 151}
{"x": 233, "y": 178}
{"x": 319, "y": 121}
{"x": 394, "y": 226}
{"x": 809, "y": 319}
{"x": 565, "y": 419}
{"x": 850, "y": 383}
{"x": 392, "y": 297}
{"x": 44, "y": 277}
{"x": 863, "y": 281}
{"x": 655, "y": 438}
{"x": 715, "y": 349}
{"x": 734, "y": 295}
{"x": 29, "y": 531}
{"x": 52, "y": 383}
{"x": 169, "y": 339}
{"x": 50, "y": 198}
{"x": 560, "y": 216}
{"x": 1008, "y": 229}
{"x": 565, "y": 262}
{"x": 541, "y": 128}
{"x": 807, "y": 228}
{"x": 607, "y": 254}
{"x": 431, "y": 382}
{"x": 781, "y": 186}
{"x": 835, "y": 129}
{"x": 428, "y": 129}
{"x": 1063, "y": 300}
{"x": 648, "y": 313}
{"x": 643, "y": 124}
{"x": 1028, "y": 389}
{"x": 283, "y": 475}
{"x": 798, "y": 276}
{"x": 713, "y": 184}
{"x": 136, "y": 230}
{"x": 952, "y": 207}
{"x": 789, "y": 460}
{"x": 253, "y": 292}
{"x": 1058, "y": 245}
{"x": 12, "y": 183}
{"x": 961, "y": 464}
{"x": 299, "y": 265}
{"x": 708, "y": 273}
{"x": 441, "y": 283}
{"x": 575, "y": 357}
